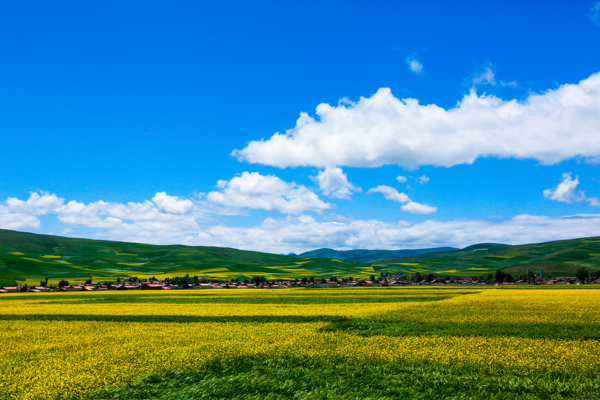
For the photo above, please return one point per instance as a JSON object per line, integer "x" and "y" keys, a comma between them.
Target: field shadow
{"x": 171, "y": 318}
{"x": 365, "y": 327}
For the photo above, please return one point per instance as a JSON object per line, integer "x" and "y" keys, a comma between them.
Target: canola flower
{"x": 60, "y": 346}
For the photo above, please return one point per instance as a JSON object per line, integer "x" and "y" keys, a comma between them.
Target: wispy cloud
{"x": 408, "y": 205}
{"x": 423, "y": 179}
{"x": 486, "y": 77}
{"x": 414, "y": 65}
{"x": 595, "y": 13}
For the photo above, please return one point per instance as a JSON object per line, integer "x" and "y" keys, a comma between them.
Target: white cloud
{"x": 565, "y": 192}
{"x": 414, "y": 65}
{"x": 172, "y": 204}
{"x": 486, "y": 77}
{"x": 422, "y": 180}
{"x": 409, "y": 206}
{"x": 390, "y": 193}
{"x": 595, "y": 13}
{"x": 401, "y": 179}
{"x": 379, "y": 130}
{"x": 22, "y": 214}
{"x": 302, "y": 234}
{"x": 267, "y": 192}
{"x": 36, "y": 204}
{"x": 145, "y": 223}
{"x": 9, "y": 219}
{"x": 334, "y": 183}
{"x": 418, "y": 208}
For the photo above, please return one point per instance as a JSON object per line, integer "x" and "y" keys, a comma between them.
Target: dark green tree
{"x": 499, "y": 276}
{"x": 582, "y": 274}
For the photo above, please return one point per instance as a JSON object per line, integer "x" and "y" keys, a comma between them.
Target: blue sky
{"x": 287, "y": 127}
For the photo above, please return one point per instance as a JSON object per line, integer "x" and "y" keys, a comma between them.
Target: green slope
{"x": 28, "y": 257}
{"x": 366, "y": 256}
{"x": 558, "y": 258}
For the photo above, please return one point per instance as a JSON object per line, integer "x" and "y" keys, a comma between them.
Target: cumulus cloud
{"x": 334, "y": 183}
{"x": 565, "y": 192}
{"x": 22, "y": 214}
{"x": 408, "y": 206}
{"x": 38, "y": 204}
{"x": 382, "y": 129}
{"x": 172, "y": 204}
{"x": 401, "y": 179}
{"x": 414, "y": 65}
{"x": 267, "y": 192}
{"x": 595, "y": 13}
{"x": 9, "y": 219}
{"x": 422, "y": 180}
{"x": 144, "y": 222}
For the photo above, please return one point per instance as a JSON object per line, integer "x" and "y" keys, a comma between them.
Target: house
{"x": 151, "y": 286}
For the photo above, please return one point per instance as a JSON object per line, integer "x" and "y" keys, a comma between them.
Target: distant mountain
{"x": 557, "y": 258}
{"x": 366, "y": 256}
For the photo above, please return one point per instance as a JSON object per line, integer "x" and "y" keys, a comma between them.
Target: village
{"x": 195, "y": 283}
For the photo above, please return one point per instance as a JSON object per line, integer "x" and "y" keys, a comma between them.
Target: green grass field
{"x": 29, "y": 258}
{"x": 558, "y": 258}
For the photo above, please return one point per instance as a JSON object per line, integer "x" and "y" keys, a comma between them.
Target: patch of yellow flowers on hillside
{"x": 46, "y": 359}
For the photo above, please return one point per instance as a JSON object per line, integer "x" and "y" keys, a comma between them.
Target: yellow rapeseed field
{"x": 66, "y": 344}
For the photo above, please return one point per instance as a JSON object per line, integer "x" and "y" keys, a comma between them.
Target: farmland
{"x": 558, "y": 258}
{"x": 29, "y": 258}
{"x": 404, "y": 342}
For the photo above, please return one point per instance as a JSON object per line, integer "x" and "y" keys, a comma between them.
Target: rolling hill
{"x": 28, "y": 257}
{"x": 366, "y": 256}
{"x": 557, "y": 258}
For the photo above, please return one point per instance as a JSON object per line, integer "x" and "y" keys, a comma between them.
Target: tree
{"x": 118, "y": 280}
{"x": 582, "y": 274}
{"x": 499, "y": 276}
{"x": 63, "y": 283}
{"x": 88, "y": 282}
{"x": 418, "y": 277}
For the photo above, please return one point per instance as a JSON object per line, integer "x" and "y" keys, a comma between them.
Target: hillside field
{"x": 557, "y": 258}
{"x": 29, "y": 258}
{"x": 526, "y": 342}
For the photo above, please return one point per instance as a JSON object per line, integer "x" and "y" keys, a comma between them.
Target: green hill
{"x": 558, "y": 258}
{"x": 28, "y": 257}
{"x": 367, "y": 256}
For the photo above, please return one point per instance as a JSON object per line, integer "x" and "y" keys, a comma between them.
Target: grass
{"x": 30, "y": 258}
{"x": 558, "y": 258}
{"x": 309, "y": 378}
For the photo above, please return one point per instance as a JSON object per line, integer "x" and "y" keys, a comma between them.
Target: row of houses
{"x": 160, "y": 285}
